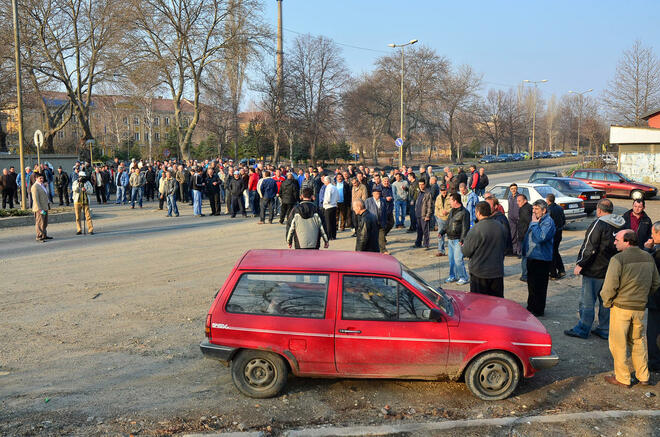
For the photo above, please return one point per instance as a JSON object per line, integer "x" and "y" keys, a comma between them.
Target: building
{"x": 639, "y": 152}
{"x": 653, "y": 118}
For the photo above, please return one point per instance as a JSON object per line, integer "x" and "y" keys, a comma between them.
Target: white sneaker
{"x": 462, "y": 282}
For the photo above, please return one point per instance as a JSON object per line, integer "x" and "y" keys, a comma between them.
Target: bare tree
{"x": 550, "y": 118}
{"x": 317, "y": 74}
{"x": 635, "y": 88}
{"x": 218, "y": 117}
{"x": 492, "y": 117}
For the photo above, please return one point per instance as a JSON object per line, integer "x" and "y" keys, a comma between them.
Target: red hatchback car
{"x": 615, "y": 183}
{"x": 365, "y": 315}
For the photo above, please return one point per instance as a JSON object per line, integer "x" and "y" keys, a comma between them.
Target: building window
{"x": 60, "y": 135}
{"x": 156, "y": 121}
{"x": 146, "y": 136}
{"x": 125, "y": 120}
{"x": 136, "y": 121}
{"x": 136, "y": 136}
{"x": 105, "y": 129}
{"x": 157, "y": 136}
{"x": 74, "y": 134}
{"x": 167, "y": 121}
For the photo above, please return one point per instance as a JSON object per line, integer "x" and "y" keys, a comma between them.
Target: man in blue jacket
{"x": 267, "y": 188}
{"x": 537, "y": 247}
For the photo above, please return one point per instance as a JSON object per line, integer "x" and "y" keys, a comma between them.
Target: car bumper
{"x": 217, "y": 352}
{"x": 544, "y": 362}
{"x": 575, "y": 216}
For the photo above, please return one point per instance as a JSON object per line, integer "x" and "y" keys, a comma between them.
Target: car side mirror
{"x": 433, "y": 314}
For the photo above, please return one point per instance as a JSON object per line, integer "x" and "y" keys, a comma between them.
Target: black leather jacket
{"x": 367, "y": 233}
{"x": 458, "y": 223}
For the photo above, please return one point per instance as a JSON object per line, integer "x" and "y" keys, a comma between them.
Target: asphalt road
{"x": 100, "y": 335}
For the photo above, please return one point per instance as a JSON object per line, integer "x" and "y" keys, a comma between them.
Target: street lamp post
{"x": 412, "y": 41}
{"x": 580, "y": 97}
{"x": 535, "y": 82}
{"x": 19, "y": 98}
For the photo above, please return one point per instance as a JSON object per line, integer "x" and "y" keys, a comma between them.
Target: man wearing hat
{"x": 236, "y": 187}
{"x": 81, "y": 189}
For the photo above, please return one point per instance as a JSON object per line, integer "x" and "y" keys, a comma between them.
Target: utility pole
{"x": 534, "y": 117}
{"x": 280, "y": 83}
{"x": 412, "y": 41}
{"x": 19, "y": 97}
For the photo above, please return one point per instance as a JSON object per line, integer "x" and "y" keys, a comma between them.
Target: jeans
{"x": 480, "y": 191}
{"x": 171, "y": 205}
{"x": 400, "y": 210}
{"x": 121, "y": 195}
{"x": 136, "y": 193}
{"x": 523, "y": 263}
{"x": 254, "y": 201}
{"x": 456, "y": 264}
{"x": 590, "y": 297}
{"x": 442, "y": 225}
{"x": 197, "y": 202}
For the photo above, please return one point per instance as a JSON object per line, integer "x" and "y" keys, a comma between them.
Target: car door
{"x": 382, "y": 331}
{"x": 501, "y": 193}
{"x": 597, "y": 180}
{"x": 618, "y": 186}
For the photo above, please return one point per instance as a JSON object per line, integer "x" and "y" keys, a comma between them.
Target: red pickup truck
{"x": 365, "y": 315}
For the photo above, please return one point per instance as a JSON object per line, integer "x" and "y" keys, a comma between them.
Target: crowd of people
{"x": 316, "y": 203}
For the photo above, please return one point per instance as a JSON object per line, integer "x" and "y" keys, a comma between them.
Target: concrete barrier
{"x": 66, "y": 161}
{"x": 28, "y": 220}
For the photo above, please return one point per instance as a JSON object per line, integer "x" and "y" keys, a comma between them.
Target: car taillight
{"x": 207, "y": 329}
{"x": 582, "y": 196}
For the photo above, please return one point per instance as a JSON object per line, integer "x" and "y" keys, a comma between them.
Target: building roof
{"x": 326, "y": 260}
{"x": 650, "y": 114}
{"x": 634, "y": 135}
{"x": 158, "y": 104}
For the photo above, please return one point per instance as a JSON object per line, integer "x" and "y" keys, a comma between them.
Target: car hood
{"x": 643, "y": 185}
{"x": 488, "y": 310}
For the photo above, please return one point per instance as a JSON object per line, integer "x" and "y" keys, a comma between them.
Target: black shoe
{"x": 410, "y": 231}
{"x": 79, "y": 233}
{"x": 48, "y": 238}
{"x": 39, "y": 240}
{"x": 202, "y": 215}
{"x": 91, "y": 232}
{"x": 62, "y": 204}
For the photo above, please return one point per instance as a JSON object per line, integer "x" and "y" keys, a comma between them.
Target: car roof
{"x": 316, "y": 260}
{"x": 559, "y": 178}
{"x": 524, "y": 185}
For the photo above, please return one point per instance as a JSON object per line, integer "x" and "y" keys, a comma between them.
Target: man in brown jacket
{"x": 631, "y": 276}
{"x": 40, "y": 208}
{"x": 424, "y": 209}
{"x": 359, "y": 191}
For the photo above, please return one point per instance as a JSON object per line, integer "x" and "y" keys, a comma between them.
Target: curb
{"x": 28, "y": 220}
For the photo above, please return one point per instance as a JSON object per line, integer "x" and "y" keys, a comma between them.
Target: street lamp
{"x": 535, "y": 82}
{"x": 580, "y": 96}
{"x": 412, "y": 41}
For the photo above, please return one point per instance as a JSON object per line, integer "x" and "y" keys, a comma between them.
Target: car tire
{"x": 636, "y": 194}
{"x": 493, "y": 376}
{"x": 259, "y": 374}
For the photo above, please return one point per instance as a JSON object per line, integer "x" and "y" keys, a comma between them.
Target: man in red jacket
{"x": 253, "y": 195}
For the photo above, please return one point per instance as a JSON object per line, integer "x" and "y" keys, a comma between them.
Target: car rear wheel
{"x": 493, "y": 376}
{"x": 636, "y": 194}
{"x": 259, "y": 374}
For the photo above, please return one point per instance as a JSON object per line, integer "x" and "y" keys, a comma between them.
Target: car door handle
{"x": 349, "y": 331}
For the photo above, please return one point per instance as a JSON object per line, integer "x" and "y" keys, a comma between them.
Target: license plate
{"x": 595, "y": 197}
{"x": 572, "y": 205}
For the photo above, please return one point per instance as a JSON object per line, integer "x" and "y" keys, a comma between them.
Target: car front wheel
{"x": 636, "y": 194}
{"x": 493, "y": 376}
{"x": 259, "y": 374}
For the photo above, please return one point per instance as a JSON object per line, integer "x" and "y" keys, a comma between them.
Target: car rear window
{"x": 290, "y": 295}
{"x": 576, "y": 185}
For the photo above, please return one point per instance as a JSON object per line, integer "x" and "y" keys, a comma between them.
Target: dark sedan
{"x": 575, "y": 188}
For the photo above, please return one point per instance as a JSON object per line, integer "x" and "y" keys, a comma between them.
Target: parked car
{"x": 576, "y": 188}
{"x": 543, "y": 174}
{"x": 610, "y": 159}
{"x": 365, "y": 315}
{"x": 573, "y": 207}
{"x": 488, "y": 159}
{"x": 615, "y": 183}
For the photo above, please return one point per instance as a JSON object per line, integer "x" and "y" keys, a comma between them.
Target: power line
{"x": 342, "y": 44}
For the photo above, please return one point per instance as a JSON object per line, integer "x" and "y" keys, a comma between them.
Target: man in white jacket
{"x": 81, "y": 189}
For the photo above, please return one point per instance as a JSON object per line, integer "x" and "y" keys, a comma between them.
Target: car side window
{"x": 525, "y": 191}
{"x": 289, "y": 295}
{"x": 580, "y": 174}
{"x": 499, "y": 192}
{"x": 378, "y": 298}
{"x": 596, "y": 175}
{"x": 612, "y": 177}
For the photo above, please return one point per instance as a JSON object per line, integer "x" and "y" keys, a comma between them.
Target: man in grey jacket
{"x": 485, "y": 244}
{"x": 305, "y": 229}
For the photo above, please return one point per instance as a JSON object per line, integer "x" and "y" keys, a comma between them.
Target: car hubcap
{"x": 637, "y": 195}
{"x": 494, "y": 377}
{"x": 260, "y": 373}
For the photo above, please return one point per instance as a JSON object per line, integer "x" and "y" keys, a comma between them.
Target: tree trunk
{"x": 374, "y": 148}
{"x": 276, "y": 148}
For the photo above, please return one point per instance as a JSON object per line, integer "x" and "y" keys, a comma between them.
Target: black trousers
{"x": 488, "y": 286}
{"x": 237, "y": 205}
{"x": 285, "y": 210}
{"x": 557, "y": 266}
{"x": 100, "y": 195}
{"x": 422, "y": 232}
{"x": 214, "y": 202}
{"x": 149, "y": 190}
{"x": 8, "y": 197}
{"x": 330, "y": 215}
{"x": 413, "y": 218}
{"x": 653, "y": 338}
{"x": 183, "y": 192}
{"x": 63, "y": 193}
{"x": 267, "y": 204}
{"x": 161, "y": 200}
{"x": 537, "y": 285}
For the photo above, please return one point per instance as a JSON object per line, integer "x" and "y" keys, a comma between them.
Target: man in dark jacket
{"x": 637, "y": 220}
{"x": 62, "y": 185}
{"x": 592, "y": 261}
{"x": 213, "y": 191}
{"x": 537, "y": 249}
{"x": 653, "y": 318}
{"x": 235, "y": 190}
{"x": 344, "y": 190}
{"x": 513, "y": 215}
{"x": 267, "y": 188}
{"x": 304, "y": 227}
{"x": 501, "y": 218}
{"x": 366, "y": 229}
{"x": 485, "y": 245}
{"x": 524, "y": 219}
{"x": 556, "y": 212}
{"x": 413, "y": 193}
{"x": 483, "y": 182}
{"x": 377, "y": 206}
{"x": 289, "y": 195}
{"x": 458, "y": 225}
{"x": 424, "y": 208}
{"x": 150, "y": 185}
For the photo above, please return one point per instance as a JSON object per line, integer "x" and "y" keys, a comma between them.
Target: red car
{"x": 615, "y": 183}
{"x": 339, "y": 314}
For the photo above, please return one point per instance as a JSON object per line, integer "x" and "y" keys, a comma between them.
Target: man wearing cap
{"x": 81, "y": 189}
{"x": 40, "y": 208}
{"x": 235, "y": 187}
{"x": 62, "y": 185}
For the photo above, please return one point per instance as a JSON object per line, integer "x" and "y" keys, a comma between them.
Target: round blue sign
{"x": 399, "y": 142}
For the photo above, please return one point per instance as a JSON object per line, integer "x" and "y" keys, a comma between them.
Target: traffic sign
{"x": 398, "y": 142}
{"x": 38, "y": 139}
{"x": 166, "y": 153}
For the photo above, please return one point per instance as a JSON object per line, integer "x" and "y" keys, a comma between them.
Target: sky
{"x": 575, "y": 45}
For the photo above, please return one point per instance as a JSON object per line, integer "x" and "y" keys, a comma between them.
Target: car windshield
{"x": 544, "y": 190}
{"x": 625, "y": 178}
{"x": 576, "y": 184}
{"x": 438, "y": 297}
